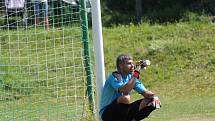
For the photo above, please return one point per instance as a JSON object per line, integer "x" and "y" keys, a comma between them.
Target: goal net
{"x": 43, "y": 61}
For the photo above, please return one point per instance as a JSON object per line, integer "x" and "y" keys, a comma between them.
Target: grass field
{"x": 182, "y": 71}
{"x": 42, "y": 75}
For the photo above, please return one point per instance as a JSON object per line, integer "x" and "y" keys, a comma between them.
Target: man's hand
{"x": 136, "y": 74}
{"x": 156, "y": 102}
{"x": 148, "y": 94}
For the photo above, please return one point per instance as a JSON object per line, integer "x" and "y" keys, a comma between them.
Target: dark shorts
{"x": 126, "y": 112}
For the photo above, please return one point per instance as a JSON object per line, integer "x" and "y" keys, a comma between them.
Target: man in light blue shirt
{"x": 115, "y": 102}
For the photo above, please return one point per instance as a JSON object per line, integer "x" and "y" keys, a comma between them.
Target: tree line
{"x": 127, "y": 11}
{"x": 124, "y": 11}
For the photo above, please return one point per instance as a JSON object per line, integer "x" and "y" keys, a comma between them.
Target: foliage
{"x": 162, "y": 11}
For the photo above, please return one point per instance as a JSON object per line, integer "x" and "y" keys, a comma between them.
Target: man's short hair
{"x": 122, "y": 59}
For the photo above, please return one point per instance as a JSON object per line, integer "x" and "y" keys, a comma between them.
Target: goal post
{"x": 98, "y": 47}
{"x": 45, "y": 66}
{"x": 84, "y": 22}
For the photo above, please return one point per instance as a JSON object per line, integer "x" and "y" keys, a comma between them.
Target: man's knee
{"x": 125, "y": 99}
{"x": 145, "y": 102}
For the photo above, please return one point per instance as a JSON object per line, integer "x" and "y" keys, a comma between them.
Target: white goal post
{"x": 98, "y": 47}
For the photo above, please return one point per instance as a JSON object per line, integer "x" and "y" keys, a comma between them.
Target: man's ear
{"x": 120, "y": 65}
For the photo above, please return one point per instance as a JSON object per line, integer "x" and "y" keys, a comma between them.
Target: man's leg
{"x": 117, "y": 110}
{"x": 125, "y": 99}
{"x": 145, "y": 102}
{"x": 139, "y": 110}
{"x": 111, "y": 112}
{"x": 143, "y": 113}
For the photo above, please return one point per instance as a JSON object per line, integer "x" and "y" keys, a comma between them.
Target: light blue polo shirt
{"x": 110, "y": 90}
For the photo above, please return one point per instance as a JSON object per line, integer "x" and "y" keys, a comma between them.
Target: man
{"x": 44, "y": 10}
{"x": 115, "y": 102}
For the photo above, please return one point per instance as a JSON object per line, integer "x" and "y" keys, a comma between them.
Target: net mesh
{"x": 42, "y": 71}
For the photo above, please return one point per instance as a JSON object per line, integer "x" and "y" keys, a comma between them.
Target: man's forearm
{"x": 148, "y": 94}
{"x": 129, "y": 86}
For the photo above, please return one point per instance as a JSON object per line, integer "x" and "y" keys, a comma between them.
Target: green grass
{"x": 198, "y": 108}
{"x": 45, "y": 108}
{"x": 42, "y": 75}
{"x": 182, "y": 71}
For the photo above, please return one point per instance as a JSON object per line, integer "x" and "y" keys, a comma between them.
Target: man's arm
{"x": 148, "y": 94}
{"x": 140, "y": 88}
{"x": 130, "y": 85}
{"x": 127, "y": 87}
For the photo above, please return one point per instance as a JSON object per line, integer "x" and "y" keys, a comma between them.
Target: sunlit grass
{"x": 182, "y": 71}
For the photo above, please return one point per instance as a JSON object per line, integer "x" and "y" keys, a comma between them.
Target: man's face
{"x": 127, "y": 66}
